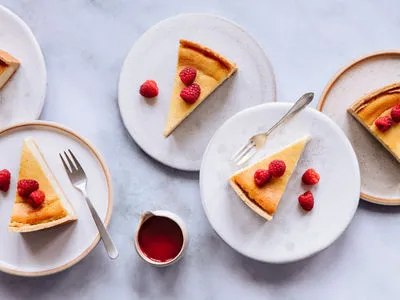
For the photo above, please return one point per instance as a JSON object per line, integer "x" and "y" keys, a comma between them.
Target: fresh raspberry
{"x": 27, "y": 186}
{"x": 306, "y": 201}
{"x": 277, "y": 168}
{"x": 310, "y": 177}
{"x": 5, "y": 178}
{"x": 262, "y": 177}
{"x": 188, "y": 75}
{"x": 191, "y": 93}
{"x": 383, "y": 123}
{"x": 36, "y": 198}
{"x": 395, "y": 113}
{"x": 149, "y": 89}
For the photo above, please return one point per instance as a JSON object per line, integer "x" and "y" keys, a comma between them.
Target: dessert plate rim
{"x": 40, "y": 64}
{"x": 134, "y": 131}
{"x": 48, "y": 125}
{"x": 262, "y": 257}
{"x": 369, "y": 197}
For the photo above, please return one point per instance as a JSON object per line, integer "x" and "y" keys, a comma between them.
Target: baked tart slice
{"x": 264, "y": 200}
{"x": 375, "y": 112}
{"x": 212, "y": 70}
{"x": 55, "y": 210}
{"x": 8, "y": 66}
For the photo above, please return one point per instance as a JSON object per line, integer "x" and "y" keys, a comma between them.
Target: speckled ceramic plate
{"x": 154, "y": 56}
{"x": 53, "y": 250}
{"x": 22, "y": 98}
{"x": 380, "y": 172}
{"x": 293, "y": 234}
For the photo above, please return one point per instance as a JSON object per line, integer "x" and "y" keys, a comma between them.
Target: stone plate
{"x": 380, "y": 172}
{"x": 154, "y": 56}
{"x": 22, "y": 98}
{"x": 293, "y": 234}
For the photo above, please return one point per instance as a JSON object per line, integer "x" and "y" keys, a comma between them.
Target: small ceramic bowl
{"x": 161, "y": 213}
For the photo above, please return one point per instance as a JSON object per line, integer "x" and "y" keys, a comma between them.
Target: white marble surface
{"x": 85, "y": 42}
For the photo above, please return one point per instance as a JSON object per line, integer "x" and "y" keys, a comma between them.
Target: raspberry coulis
{"x": 160, "y": 238}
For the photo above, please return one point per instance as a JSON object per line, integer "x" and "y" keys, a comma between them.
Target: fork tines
{"x": 73, "y": 164}
{"x": 244, "y": 152}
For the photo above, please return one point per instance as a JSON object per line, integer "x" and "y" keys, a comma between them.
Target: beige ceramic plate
{"x": 50, "y": 251}
{"x": 253, "y": 84}
{"x": 380, "y": 172}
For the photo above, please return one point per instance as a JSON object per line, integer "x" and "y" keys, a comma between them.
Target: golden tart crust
{"x": 264, "y": 201}
{"x": 377, "y": 104}
{"x": 8, "y": 66}
{"x": 212, "y": 70}
{"x": 55, "y": 210}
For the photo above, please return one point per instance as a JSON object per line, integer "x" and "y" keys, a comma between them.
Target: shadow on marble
{"x": 267, "y": 273}
{"x": 92, "y": 266}
{"x": 383, "y": 209}
{"x": 166, "y": 281}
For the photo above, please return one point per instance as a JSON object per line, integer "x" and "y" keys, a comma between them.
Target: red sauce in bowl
{"x": 160, "y": 238}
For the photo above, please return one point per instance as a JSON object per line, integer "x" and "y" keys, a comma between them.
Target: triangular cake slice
{"x": 55, "y": 210}
{"x": 375, "y": 105}
{"x": 212, "y": 70}
{"x": 264, "y": 200}
{"x": 8, "y": 66}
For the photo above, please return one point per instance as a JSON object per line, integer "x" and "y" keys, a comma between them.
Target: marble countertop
{"x": 85, "y": 43}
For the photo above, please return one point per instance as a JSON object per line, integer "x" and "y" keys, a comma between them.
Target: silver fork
{"x": 78, "y": 179}
{"x": 256, "y": 142}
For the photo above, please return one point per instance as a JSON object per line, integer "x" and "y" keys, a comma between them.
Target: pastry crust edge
{"x": 363, "y": 101}
{"x": 360, "y": 103}
{"x": 250, "y": 203}
{"x": 37, "y": 227}
{"x": 377, "y": 137}
{"x": 210, "y": 53}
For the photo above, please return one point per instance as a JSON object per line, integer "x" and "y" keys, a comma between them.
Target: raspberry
{"x": 5, "y": 178}
{"x": 36, "y": 198}
{"x": 188, "y": 75}
{"x": 310, "y": 177}
{"x": 306, "y": 201}
{"x": 149, "y": 89}
{"x": 262, "y": 177}
{"x": 395, "y": 113}
{"x": 383, "y": 123}
{"x": 191, "y": 93}
{"x": 277, "y": 168}
{"x": 27, "y": 186}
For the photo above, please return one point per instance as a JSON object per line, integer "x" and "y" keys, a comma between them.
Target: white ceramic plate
{"x": 293, "y": 234}
{"x": 50, "y": 251}
{"x": 380, "y": 171}
{"x": 22, "y": 98}
{"x": 154, "y": 56}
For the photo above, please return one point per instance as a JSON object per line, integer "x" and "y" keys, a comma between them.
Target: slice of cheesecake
{"x": 376, "y": 105}
{"x": 264, "y": 200}
{"x": 55, "y": 210}
{"x": 8, "y": 66}
{"x": 212, "y": 70}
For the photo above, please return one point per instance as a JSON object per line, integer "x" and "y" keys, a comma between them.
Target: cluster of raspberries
{"x": 190, "y": 93}
{"x": 26, "y": 188}
{"x": 277, "y": 168}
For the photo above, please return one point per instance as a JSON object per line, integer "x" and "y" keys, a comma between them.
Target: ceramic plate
{"x": 22, "y": 98}
{"x": 154, "y": 56}
{"x": 293, "y": 234}
{"x": 380, "y": 171}
{"x": 50, "y": 251}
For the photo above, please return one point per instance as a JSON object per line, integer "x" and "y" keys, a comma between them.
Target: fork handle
{"x": 107, "y": 241}
{"x": 298, "y": 106}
